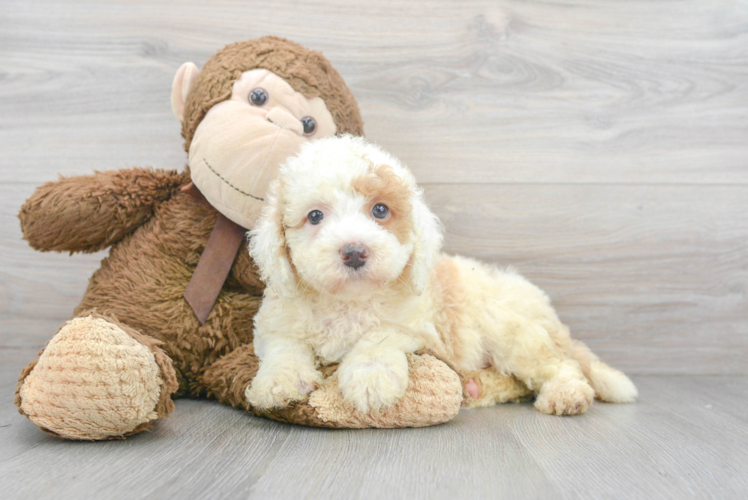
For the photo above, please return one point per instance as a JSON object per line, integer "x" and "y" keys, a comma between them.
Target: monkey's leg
{"x": 97, "y": 379}
{"x": 433, "y": 395}
{"x": 228, "y": 378}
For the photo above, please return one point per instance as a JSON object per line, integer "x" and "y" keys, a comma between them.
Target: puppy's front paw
{"x": 372, "y": 383}
{"x": 564, "y": 397}
{"x": 281, "y": 387}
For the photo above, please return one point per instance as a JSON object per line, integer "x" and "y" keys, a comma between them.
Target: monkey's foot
{"x": 433, "y": 397}
{"x": 94, "y": 381}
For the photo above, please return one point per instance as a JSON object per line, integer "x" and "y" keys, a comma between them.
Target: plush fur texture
{"x": 133, "y": 321}
{"x": 87, "y": 214}
{"x": 489, "y": 324}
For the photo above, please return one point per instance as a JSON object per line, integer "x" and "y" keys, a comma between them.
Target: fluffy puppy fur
{"x": 405, "y": 297}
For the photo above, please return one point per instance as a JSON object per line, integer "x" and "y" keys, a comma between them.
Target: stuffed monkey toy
{"x": 169, "y": 312}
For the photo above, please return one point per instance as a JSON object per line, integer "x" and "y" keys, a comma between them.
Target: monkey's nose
{"x": 354, "y": 255}
{"x": 286, "y": 120}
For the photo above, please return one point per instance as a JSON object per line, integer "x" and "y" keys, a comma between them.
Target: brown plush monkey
{"x": 134, "y": 342}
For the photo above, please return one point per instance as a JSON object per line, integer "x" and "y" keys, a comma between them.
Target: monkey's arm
{"x": 89, "y": 212}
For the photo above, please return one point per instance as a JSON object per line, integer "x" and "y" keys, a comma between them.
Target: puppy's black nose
{"x": 354, "y": 255}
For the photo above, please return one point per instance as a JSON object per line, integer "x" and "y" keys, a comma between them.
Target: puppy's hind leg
{"x": 527, "y": 350}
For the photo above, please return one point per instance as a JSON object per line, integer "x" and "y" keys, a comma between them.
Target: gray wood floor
{"x": 686, "y": 438}
{"x": 600, "y": 147}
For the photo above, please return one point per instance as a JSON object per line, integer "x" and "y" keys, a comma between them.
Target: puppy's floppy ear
{"x": 428, "y": 242}
{"x": 267, "y": 246}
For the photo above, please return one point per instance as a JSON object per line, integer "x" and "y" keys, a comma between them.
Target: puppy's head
{"x": 345, "y": 218}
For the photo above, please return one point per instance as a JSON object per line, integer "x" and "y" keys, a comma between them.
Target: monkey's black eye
{"x": 315, "y": 216}
{"x": 258, "y": 97}
{"x": 380, "y": 211}
{"x": 309, "y": 125}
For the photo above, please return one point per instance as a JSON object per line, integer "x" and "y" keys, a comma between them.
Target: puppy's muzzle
{"x": 354, "y": 255}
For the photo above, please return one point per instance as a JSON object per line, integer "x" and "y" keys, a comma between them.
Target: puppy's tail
{"x": 610, "y": 384}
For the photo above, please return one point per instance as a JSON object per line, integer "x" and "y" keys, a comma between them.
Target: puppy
{"x": 351, "y": 257}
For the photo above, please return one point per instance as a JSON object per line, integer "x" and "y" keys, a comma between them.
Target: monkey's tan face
{"x": 239, "y": 145}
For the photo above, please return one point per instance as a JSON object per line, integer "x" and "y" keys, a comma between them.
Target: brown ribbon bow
{"x": 215, "y": 262}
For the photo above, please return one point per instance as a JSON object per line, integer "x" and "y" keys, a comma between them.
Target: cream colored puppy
{"x": 351, "y": 257}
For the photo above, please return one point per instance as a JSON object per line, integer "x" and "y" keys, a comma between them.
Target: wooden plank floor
{"x": 686, "y": 438}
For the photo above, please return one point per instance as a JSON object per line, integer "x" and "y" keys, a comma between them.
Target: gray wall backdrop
{"x": 599, "y": 147}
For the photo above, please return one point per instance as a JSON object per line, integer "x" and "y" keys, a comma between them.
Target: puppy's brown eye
{"x": 380, "y": 211}
{"x": 315, "y": 216}
{"x": 258, "y": 97}
{"x": 309, "y": 125}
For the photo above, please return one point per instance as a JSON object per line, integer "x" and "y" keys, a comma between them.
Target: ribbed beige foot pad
{"x": 433, "y": 397}
{"x": 92, "y": 381}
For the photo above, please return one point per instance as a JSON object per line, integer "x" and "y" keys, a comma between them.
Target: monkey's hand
{"x": 90, "y": 212}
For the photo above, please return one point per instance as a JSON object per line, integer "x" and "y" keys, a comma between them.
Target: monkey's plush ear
{"x": 267, "y": 246}
{"x": 180, "y": 87}
{"x": 427, "y": 245}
